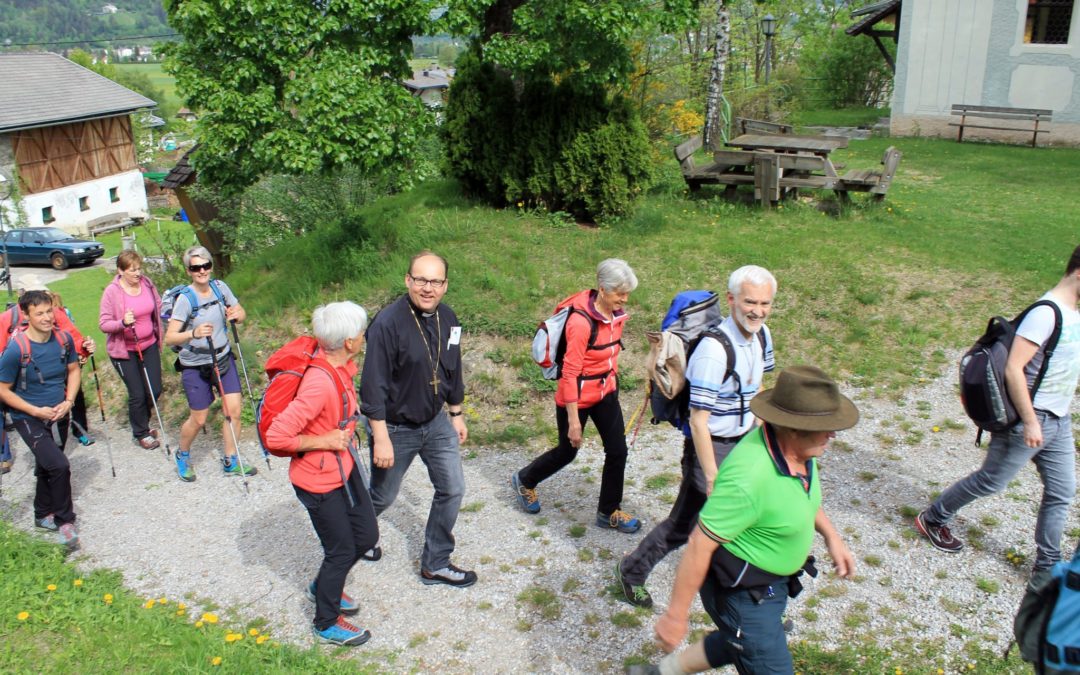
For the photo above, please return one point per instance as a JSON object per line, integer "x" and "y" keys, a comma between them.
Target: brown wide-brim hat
{"x": 804, "y": 398}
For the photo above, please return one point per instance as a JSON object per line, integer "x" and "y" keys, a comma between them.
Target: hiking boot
{"x": 637, "y": 596}
{"x": 231, "y": 465}
{"x": 348, "y": 605}
{"x": 68, "y": 536}
{"x": 342, "y": 633}
{"x": 46, "y": 523}
{"x": 183, "y": 467}
{"x": 618, "y": 520}
{"x": 449, "y": 575}
{"x": 527, "y": 497}
{"x": 939, "y": 535}
{"x": 373, "y": 554}
{"x": 148, "y": 442}
{"x": 85, "y": 439}
{"x": 5, "y": 466}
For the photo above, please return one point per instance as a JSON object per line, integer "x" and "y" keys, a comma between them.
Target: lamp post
{"x": 5, "y": 192}
{"x": 768, "y": 29}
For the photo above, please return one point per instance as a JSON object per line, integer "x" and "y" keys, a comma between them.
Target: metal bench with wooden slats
{"x": 868, "y": 180}
{"x": 988, "y": 112}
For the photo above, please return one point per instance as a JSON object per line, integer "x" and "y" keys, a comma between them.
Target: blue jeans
{"x": 1054, "y": 460}
{"x": 436, "y": 443}
{"x": 749, "y": 635}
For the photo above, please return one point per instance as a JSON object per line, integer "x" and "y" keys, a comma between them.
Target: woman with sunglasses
{"x": 130, "y": 319}
{"x": 323, "y": 470}
{"x": 200, "y": 333}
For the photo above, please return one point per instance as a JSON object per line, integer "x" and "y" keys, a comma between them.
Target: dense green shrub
{"x": 561, "y": 147}
{"x": 849, "y": 71}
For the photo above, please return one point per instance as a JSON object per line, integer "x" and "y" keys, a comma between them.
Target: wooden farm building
{"x": 66, "y": 136}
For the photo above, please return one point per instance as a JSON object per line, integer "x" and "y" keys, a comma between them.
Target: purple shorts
{"x": 201, "y": 391}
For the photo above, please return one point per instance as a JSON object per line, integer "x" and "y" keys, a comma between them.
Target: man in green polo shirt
{"x": 756, "y": 529}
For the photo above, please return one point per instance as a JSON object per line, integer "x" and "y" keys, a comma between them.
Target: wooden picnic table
{"x": 820, "y": 146}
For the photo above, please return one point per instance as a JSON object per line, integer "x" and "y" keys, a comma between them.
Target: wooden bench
{"x": 868, "y": 180}
{"x": 745, "y": 125}
{"x": 987, "y": 112}
{"x": 111, "y": 223}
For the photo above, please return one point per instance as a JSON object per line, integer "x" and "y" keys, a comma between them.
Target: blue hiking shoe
{"x": 183, "y": 467}
{"x": 348, "y": 605}
{"x": 342, "y": 633}
{"x": 86, "y": 439}
{"x": 527, "y": 498}
{"x": 47, "y": 523}
{"x": 618, "y": 520}
{"x": 231, "y": 466}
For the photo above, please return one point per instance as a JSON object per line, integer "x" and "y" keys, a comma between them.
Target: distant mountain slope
{"x": 23, "y": 21}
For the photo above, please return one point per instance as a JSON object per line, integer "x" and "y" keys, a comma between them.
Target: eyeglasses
{"x": 420, "y": 282}
{"x": 205, "y": 267}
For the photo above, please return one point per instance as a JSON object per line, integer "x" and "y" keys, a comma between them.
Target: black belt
{"x": 727, "y": 439}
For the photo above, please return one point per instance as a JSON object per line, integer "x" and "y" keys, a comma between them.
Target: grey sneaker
{"x": 635, "y": 595}
{"x": 46, "y": 523}
{"x": 449, "y": 575}
{"x": 939, "y": 535}
{"x": 68, "y": 536}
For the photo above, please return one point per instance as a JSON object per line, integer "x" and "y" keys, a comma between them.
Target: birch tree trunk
{"x": 713, "y": 133}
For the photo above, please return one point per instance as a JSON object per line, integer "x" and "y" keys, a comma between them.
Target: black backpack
{"x": 982, "y": 372}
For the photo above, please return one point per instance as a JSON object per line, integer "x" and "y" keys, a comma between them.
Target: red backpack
{"x": 284, "y": 369}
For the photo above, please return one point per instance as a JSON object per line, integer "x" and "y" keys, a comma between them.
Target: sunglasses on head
{"x": 205, "y": 267}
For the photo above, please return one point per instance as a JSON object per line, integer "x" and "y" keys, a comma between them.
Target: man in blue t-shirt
{"x": 39, "y": 379}
{"x": 719, "y": 417}
{"x": 1043, "y": 436}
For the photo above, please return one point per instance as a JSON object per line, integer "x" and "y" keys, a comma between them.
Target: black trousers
{"x": 138, "y": 400}
{"x": 51, "y": 467}
{"x": 608, "y": 418}
{"x": 346, "y": 530}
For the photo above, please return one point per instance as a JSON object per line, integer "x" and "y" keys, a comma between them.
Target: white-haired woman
{"x": 200, "y": 317}
{"x": 589, "y": 388}
{"x": 323, "y": 470}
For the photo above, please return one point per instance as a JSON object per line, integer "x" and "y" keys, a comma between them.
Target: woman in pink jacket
{"x": 130, "y": 319}
{"x": 324, "y": 470}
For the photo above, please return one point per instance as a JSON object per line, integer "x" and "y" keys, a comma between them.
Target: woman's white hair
{"x": 335, "y": 322}
{"x": 197, "y": 252}
{"x": 615, "y": 275}
{"x": 750, "y": 274}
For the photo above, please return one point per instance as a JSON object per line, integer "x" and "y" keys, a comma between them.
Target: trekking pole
{"x": 97, "y": 385}
{"x": 108, "y": 444}
{"x": 150, "y": 393}
{"x": 225, "y": 412}
{"x": 247, "y": 381}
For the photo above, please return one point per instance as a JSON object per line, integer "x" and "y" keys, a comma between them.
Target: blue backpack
{"x": 1047, "y": 625}
{"x": 168, "y": 302}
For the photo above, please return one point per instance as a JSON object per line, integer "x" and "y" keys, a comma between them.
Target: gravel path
{"x": 253, "y": 553}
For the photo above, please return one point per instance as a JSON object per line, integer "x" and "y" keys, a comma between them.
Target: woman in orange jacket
{"x": 323, "y": 471}
{"x": 589, "y": 388}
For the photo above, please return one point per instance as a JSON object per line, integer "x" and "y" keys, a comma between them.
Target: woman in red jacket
{"x": 324, "y": 472}
{"x": 589, "y": 388}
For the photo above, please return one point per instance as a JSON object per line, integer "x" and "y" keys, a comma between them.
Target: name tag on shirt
{"x": 455, "y": 336}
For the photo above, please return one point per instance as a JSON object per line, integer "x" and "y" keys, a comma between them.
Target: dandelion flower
{"x": 254, "y": 632}
{"x": 198, "y": 624}
{"x": 230, "y": 637}
{"x": 107, "y": 598}
{"x": 22, "y": 616}
{"x": 935, "y": 429}
{"x": 149, "y": 603}
{"x": 210, "y": 618}
{"x": 216, "y": 661}
{"x": 163, "y": 601}
{"x": 261, "y": 639}
{"x": 181, "y": 606}
{"x": 179, "y": 612}
{"x": 77, "y": 583}
{"x": 51, "y": 587}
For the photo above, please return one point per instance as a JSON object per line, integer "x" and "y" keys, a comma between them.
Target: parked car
{"x": 49, "y": 246}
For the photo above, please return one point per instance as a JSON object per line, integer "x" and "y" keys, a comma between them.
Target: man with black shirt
{"x": 412, "y": 368}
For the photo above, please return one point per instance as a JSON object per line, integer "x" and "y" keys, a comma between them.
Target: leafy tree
{"x": 296, "y": 87}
